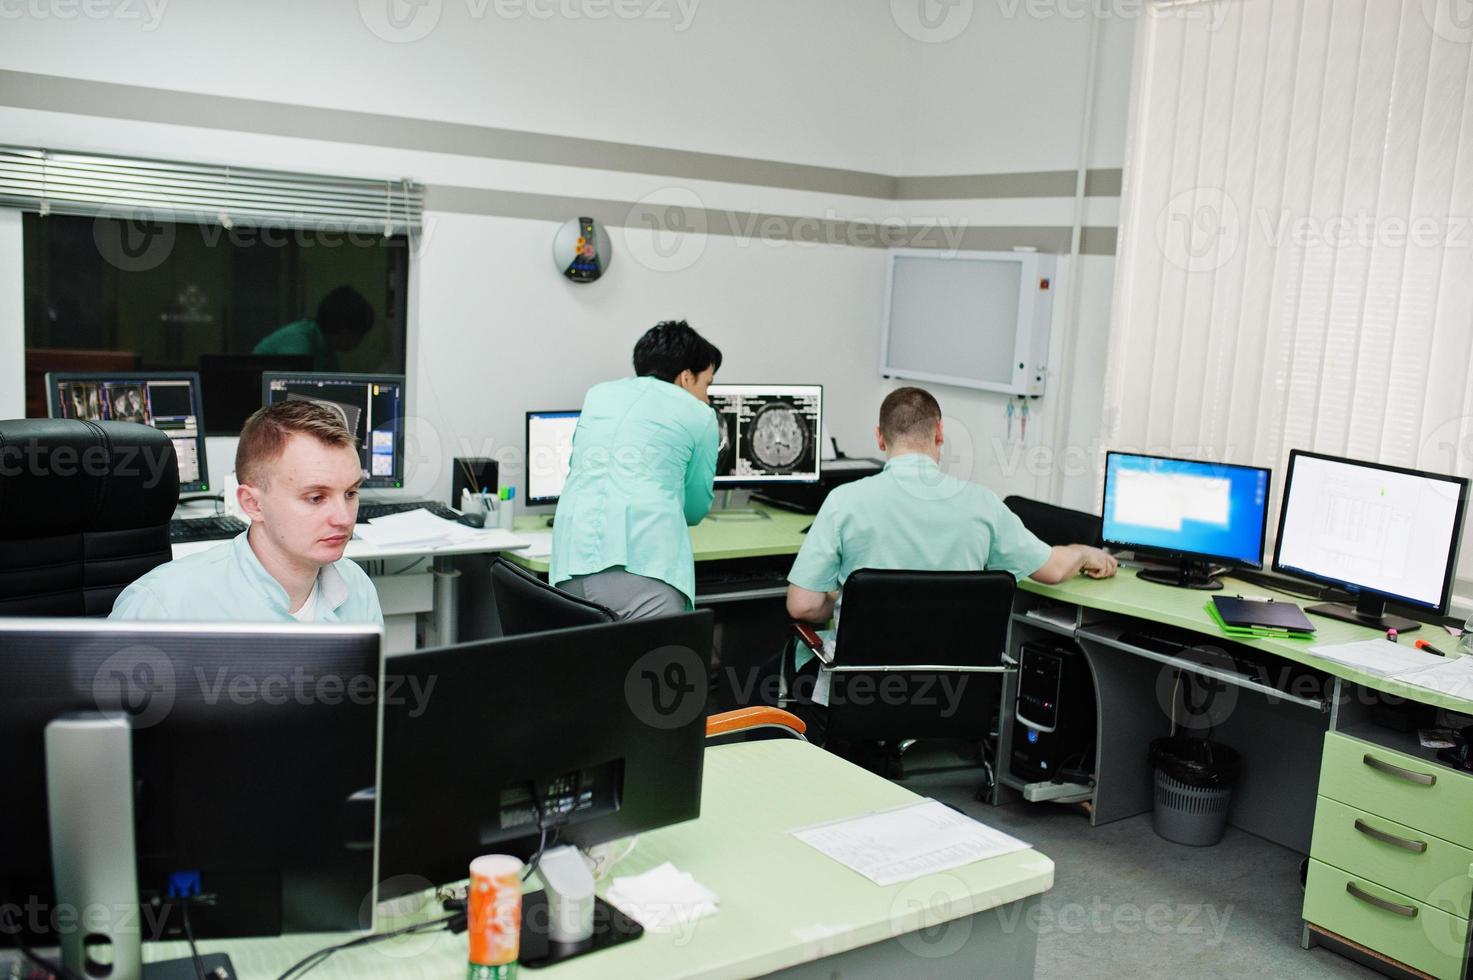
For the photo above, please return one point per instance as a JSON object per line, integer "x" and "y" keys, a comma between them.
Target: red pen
{"x": 1424, "y": 645}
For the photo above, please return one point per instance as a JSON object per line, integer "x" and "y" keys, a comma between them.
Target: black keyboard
{"x": 183, "y": 530}
{"x": 367, "y": 512}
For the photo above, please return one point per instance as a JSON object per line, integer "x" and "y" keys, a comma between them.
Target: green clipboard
{"x": 1253, "y": 632}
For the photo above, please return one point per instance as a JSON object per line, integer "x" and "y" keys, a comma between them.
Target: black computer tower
{"x": 1054, "y": 724}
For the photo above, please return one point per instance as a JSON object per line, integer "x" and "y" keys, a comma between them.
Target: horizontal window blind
{"x": 51, "y": 182}
{"x": 1296, "y": 267}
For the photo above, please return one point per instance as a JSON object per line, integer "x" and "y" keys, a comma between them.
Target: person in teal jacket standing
{"x": 642, "y": 471}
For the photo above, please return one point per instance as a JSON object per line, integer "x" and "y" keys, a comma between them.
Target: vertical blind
{"x": 92, "y": 185}
{"x": 1296, "y": 260}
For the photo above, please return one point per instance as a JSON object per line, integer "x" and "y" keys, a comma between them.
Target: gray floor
{"x": 1126, "y": 903}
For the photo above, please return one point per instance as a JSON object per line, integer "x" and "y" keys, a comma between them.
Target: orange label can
{"x": 494, "y": 917}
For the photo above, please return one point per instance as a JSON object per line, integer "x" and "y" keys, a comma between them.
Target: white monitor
{"x": 549, "y": 452}
{"x": 769, "y": 434}
{"x": 1381, "y": 531}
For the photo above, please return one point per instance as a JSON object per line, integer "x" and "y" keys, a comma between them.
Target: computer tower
{"x": 1054, "y": 723}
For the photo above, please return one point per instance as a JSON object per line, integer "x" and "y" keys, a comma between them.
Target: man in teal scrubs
{"x": 343, "y": 319}
{"x": 299, "y": 475}
{"x": 914, "y": 516}
{"x": 642, "y": 471}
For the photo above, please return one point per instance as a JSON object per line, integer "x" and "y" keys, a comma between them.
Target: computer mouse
{"x": 472, "y": 519}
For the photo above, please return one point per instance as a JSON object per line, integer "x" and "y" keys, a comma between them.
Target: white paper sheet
{"x": 1379, "y": 657}
{"x": 539, "y": 543}
{"x": 900, "y": 845}
{"x": 1454, "y": 677}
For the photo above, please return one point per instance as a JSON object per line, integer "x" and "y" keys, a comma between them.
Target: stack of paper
{"x": 421, "y": 529}
{"x": 1392, "y": 660}
{"x": 663, "y": 898}
{"x": 900, "y": 845}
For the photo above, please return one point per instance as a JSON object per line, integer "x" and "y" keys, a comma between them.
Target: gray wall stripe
{"x": 51, "y": 93}
{"x": 673, "y": 223}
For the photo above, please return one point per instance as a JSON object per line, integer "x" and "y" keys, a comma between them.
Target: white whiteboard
{"x": 962, "y": 319}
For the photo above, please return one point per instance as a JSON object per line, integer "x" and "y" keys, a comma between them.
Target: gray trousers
{"x": 630, "y": 596}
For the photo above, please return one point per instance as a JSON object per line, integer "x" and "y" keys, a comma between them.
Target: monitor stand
{"x": 89, "y": 797}
{"x": 726, "y": 512}
{"x": 1187, "y": 574}
{"x": 1369, "y": 610}
{"x": 566, "y": 920}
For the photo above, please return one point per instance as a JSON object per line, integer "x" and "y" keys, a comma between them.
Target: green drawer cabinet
{"x": 1417, "y": 864}
{"x": 1431, "y": 798}
{"x": 1385, "y": 920}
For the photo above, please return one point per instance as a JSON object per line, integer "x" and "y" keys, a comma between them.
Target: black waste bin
{"x": 1194, "y": 784}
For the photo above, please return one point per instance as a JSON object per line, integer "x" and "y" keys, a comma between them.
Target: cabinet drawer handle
{"x": 1415, "y": 846}
{"x": 1420, "y": 778}
{"x": 1405, "y": 911}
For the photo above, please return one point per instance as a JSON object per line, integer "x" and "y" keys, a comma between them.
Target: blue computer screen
{"x": 1215, "y": 510}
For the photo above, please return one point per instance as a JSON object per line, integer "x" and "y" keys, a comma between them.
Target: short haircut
{"x": 670, "y": 347}
{"x": 908, "y": 414}
{"x": 345, "y": 310}
{"x": 266, "y": 432}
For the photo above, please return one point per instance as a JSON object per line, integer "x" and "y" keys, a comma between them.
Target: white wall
{"x": 495, "y": 331}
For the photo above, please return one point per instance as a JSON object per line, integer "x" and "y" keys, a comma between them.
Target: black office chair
{"x": 1054, "y": 524}
{"x": 526, "y": 604}
{"x": 919, "y": 655}
{"x": 84, "y": 510}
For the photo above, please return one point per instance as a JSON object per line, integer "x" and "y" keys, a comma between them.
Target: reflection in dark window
{"x": 108, "y": 294}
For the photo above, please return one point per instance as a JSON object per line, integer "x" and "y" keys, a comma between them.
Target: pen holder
{"x": 506, "y": 513}
{"x": 471, "y": 503}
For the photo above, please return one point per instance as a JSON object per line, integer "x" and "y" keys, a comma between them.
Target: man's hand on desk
{"x": 1068, "y": 560}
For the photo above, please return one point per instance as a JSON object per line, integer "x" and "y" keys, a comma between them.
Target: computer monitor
{"x": 769, "y": 434}
{"x": 1189, "y": 512}
{"x": 370, "y": 405}
{"x": 253, "y": 752}
{"x": 549, "y": 451}
{"x": 231, "y": 385}
{"x": 1383, "y": 532}
{"x": 596, "y": 733}
{"x": 167, "y": 400}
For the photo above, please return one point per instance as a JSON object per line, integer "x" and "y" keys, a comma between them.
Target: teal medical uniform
{"x": 912, "y": 515}
{"x": 642, "y": 471}
{"x": 227, "y": 583}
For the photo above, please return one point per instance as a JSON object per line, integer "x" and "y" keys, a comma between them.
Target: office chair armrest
{"x": 747, "y": 719}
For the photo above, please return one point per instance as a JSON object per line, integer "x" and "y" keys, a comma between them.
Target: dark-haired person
{"x": 299, "y": 474}
{"x": 642, "y": 469}
{"x": 343, "y": 319}
{"x": 914, "y": 516}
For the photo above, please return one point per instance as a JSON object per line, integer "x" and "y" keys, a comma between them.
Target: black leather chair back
{"x": 1054, "y": 524}
{"x": 895, "y": 618}
{"x": 84, "y": 510}
{"x": 526, "y": 604}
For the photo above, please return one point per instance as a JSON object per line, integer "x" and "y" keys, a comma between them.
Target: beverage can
{"x": 494, "y": 917}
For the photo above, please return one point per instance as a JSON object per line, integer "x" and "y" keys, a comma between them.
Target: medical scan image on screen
{"x": 767, "y": 432}
{"x": 371, "y": 408}
{"x": 167, "y": 405}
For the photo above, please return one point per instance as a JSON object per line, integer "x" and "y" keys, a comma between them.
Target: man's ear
{"x": 940, "y": 434}
{"x": 686, "y": 379}
{"x": 880, "y": 439}
{"x": 248, "y": 498}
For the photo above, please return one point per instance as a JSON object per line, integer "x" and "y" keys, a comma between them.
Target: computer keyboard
{"x": 367, "y": 512}
{"x": 183, "y": 530}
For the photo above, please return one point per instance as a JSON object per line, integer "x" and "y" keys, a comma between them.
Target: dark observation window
{"x": 104, "y": 294}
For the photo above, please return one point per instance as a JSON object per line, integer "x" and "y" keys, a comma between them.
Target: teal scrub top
{"x": 641, "y": 473}
{"x": 300, "y": 337}
{"x": 227, "y": 583}
{"x": 912, "y": 515}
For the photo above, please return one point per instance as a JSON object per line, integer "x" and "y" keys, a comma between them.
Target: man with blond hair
{"x": 299, "y": 475}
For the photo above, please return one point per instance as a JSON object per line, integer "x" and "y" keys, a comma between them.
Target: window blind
{"x": 52, "y": 182}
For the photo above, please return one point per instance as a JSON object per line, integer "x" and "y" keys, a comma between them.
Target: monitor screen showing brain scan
{"x": 769, "y": 433}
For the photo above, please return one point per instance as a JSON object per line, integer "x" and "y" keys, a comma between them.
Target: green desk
{"x": 715, "y": 538}
{"x": 785, "y": 909}
{"x": 1387, "y": 826}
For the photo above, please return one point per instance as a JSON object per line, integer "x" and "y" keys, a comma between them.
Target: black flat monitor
{"x": 769, "y": 434}
{"x": 599, "y": 729}
{"x": 1383, "y": 532}
{"x": 1193, "y": 514}
{"x": 231, "y": 384}
{"x": 372, "y": 407}
{"x": 167, "y": 400}
{"x": 253, "y": 766}
{"x": 549, "y": 453}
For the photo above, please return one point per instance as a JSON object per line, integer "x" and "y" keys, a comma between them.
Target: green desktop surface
{"x": 1127, "y": 595}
